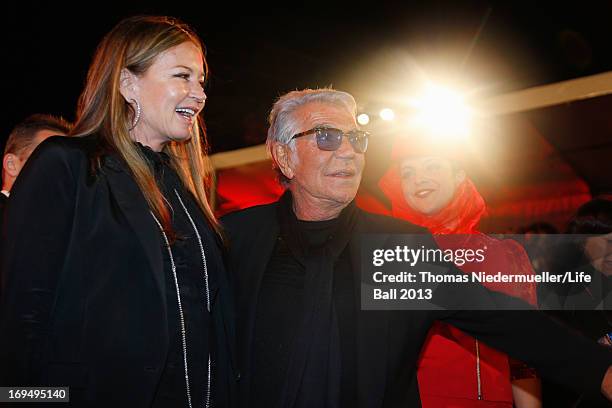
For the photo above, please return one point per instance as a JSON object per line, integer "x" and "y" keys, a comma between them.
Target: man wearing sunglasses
{"x": 304, "y": 340}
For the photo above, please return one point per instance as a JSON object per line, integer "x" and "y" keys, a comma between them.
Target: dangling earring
{"x": 137, "y": 116}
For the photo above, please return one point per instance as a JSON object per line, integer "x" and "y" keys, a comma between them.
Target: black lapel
{"x": 372, "y": 334}
{"x": 136, "y": 211}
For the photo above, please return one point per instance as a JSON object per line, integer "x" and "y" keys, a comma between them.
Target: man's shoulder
{"x": 377, "y": 223}
{"x": 250, "y": 217}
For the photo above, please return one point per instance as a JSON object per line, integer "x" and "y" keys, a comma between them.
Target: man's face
{"x": 329, "y": 176}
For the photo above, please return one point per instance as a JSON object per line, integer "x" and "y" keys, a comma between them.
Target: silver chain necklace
{"x": 179, "y": 302}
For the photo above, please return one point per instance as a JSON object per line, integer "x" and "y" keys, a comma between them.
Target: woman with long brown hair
{"x": 113, "y": 276}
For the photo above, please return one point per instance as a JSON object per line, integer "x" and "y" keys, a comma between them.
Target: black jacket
{"x": 389, "y": 342}
{"x": 3, "y": 201}
{"x": 83, "y": 300}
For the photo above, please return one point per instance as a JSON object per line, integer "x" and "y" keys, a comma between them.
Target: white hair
{"x": 284, "y": 125}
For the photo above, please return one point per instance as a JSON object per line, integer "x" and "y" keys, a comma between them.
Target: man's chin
{"x": 344, "y": 197}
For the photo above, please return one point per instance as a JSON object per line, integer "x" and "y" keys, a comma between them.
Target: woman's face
{"x": 171, "y": 96}
{"x": 599, "y": 251}
{"x": 429, "y": 183}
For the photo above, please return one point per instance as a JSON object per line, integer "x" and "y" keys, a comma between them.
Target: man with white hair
{"x": 304, "y": 340}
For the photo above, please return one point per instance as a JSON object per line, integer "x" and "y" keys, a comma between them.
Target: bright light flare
{"x": 443, "y": 112}
{"x": 387, "y": 114}
{"x": 363, "y": 119}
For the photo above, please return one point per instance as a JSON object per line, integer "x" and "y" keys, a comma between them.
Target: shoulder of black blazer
{"x": 241, "y": 223}
{"x": 69, "y": 147}
{"x": 251, "y": 234}
{"x": 249, "y": 219}
{"x": 64, "y": 151}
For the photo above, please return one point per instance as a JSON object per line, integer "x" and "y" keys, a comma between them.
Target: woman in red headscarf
{"x": 427, "y": 186}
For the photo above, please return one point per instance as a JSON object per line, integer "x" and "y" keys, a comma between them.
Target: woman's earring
{"x": 137, "y": 116}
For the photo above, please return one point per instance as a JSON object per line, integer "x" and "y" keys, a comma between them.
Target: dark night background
{"x": 259, "y": 51}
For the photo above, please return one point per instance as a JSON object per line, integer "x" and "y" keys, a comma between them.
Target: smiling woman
{"x": 169, "y": 93}
{"x": 429, "y": 182}
{"x": 427, "y": 186}
{"x": 113, "y": 273}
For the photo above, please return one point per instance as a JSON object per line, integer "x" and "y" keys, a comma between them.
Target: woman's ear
{"x": 281, "y": 155}
{"x": 128, "y": 85}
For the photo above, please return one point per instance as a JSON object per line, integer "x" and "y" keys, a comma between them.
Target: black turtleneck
{"x": 280, "y": 312}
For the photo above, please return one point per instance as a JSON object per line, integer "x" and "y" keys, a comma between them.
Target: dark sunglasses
{"x": 330, "y": 139}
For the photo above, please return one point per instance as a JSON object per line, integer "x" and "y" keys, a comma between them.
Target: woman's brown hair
{"x": 134, "y": 43}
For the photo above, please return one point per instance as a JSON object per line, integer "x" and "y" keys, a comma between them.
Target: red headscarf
{"x": 460, "y": 216}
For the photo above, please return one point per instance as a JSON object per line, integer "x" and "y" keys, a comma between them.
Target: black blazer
{"x": 3, "y": 200}
{"x": 389, "y": 342}
{"x": 83, "y": 300}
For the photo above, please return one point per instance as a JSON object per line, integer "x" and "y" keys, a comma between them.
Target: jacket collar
{"x": 138, "y": 215}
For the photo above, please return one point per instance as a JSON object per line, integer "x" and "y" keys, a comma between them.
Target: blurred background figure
{"x": 586, "y": 248}
{"x": 22, "y": 141}
{"x": 595, "y": 218}
{"x": 586, "y": 307}
{"x": 426, "y": 185}
{"x": 535, "y": 241}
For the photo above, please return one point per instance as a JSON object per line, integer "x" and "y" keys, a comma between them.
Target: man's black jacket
{"x": 389, "y": 342}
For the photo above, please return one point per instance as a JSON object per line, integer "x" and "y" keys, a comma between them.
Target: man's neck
{"x": 308, "y": 208}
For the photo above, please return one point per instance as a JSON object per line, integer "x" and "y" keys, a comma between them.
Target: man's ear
{"x": 128, "y": 85}
{"x": 11, "y": 164}
{"x": 282, "y": 158}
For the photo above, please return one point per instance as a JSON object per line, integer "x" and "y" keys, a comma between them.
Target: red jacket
{"x": 455, "y": 370}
